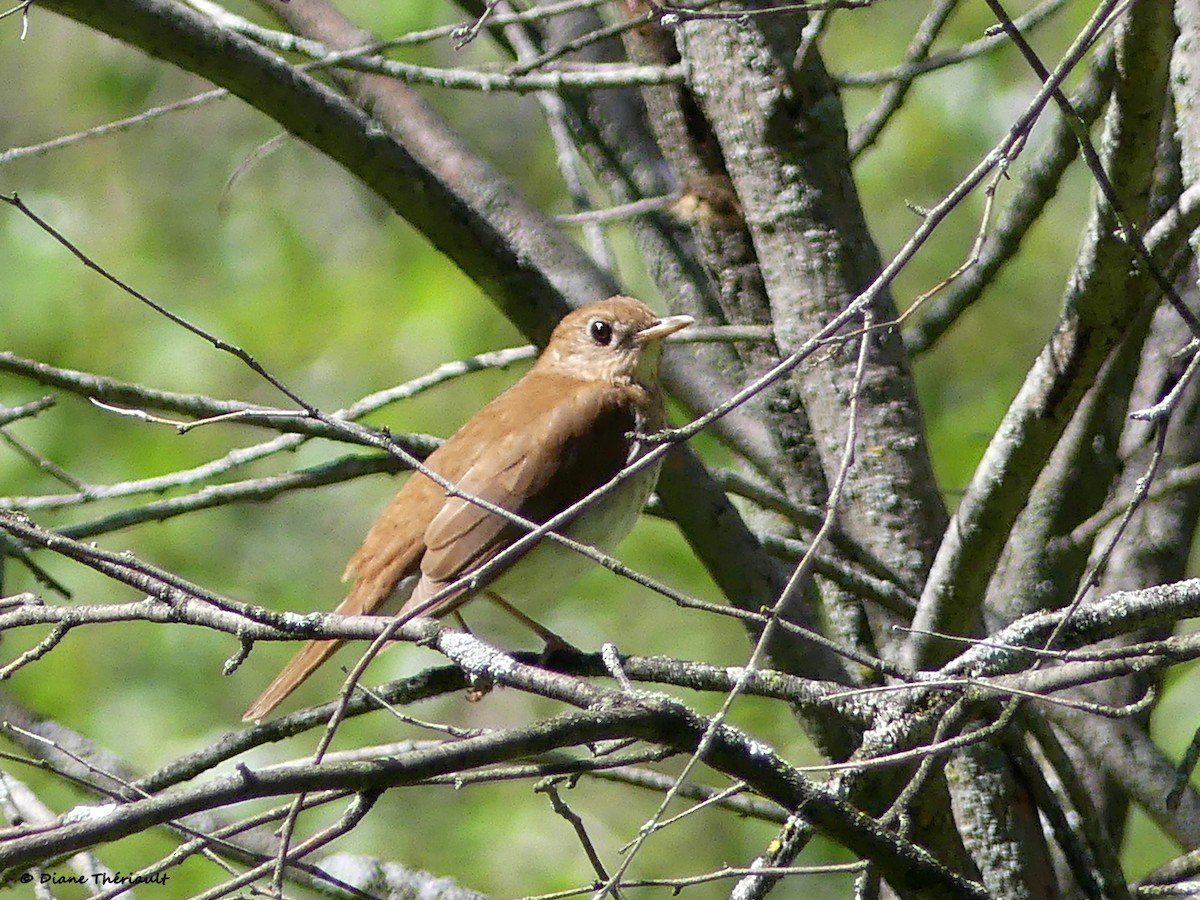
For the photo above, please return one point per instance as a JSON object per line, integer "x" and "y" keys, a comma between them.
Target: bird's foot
{"x": 478, "y": 687}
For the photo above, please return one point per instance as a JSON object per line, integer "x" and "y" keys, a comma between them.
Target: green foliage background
{"x": 299, "y": 265}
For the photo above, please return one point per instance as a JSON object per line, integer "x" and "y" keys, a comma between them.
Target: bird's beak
{"x": 661, "y": 328}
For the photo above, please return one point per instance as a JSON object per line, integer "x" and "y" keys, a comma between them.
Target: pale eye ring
{"x": 601, "y": 332}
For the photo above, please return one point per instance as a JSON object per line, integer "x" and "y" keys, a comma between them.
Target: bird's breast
{"x": 549, "y": 569}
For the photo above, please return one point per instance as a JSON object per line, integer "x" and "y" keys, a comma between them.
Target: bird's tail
{"x": 293, "y": 675}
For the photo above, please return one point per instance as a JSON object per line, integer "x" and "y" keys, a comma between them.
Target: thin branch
{"x": 251, "y": 490}
{"x": 14, "y": 201}
{"x": 10, "y": 414}
{"x": 556, "y": 114}
{"x": 1041, "y": 179}
{"x": 1093, "y": 318}
{"x": 154, "y": 112}
{"x": 23, "y": 9}
{"x": 49, "y": 467}
{"x": 660, "y": 720}
{"x": 1101, "y": 859}
{"x": 794, "y": 585}
{"x": 595, "y": 76}
{"x": 677, "y": 885}
{"x": 36, "y": 652}
{"x": 894, "y": 93}
{"x": 1129, "y": 230}
{"x": 994, "y": 40}
{"x": 576, "y": 823}
{"x": 659, "y": 783}
{"x": 88, "y": 385}
{"x": 355, "y": 812}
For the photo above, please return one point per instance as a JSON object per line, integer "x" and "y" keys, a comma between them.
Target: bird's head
{"x": 617, "y": 340}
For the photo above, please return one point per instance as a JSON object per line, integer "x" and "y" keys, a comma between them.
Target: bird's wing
{"x": 390, "y": 554}
{"x": 557, "y": 455}
{"x": 427, "y": 533}
{"x": 392, "y": 549}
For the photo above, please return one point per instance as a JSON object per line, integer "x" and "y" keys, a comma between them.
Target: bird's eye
{"x": 601, "y": 332}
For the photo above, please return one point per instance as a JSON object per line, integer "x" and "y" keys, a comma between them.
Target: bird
{"x": 569, "y": 426}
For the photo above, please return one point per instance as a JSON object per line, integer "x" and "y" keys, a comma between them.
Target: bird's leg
{"x": 553, "y": 643}
{"x": 462, "y": 623}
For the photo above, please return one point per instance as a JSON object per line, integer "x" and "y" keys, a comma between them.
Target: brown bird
{"x": 566, "y": 428}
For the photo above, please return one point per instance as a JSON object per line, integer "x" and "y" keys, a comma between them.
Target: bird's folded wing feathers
{"x": 532, "y": 477}
{"x": 391, "y": 550}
